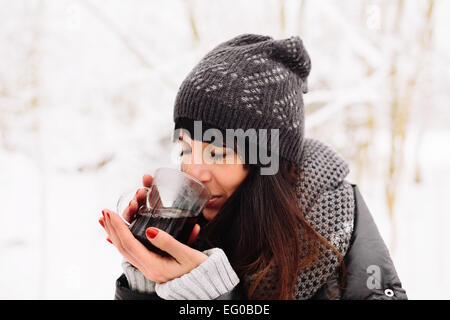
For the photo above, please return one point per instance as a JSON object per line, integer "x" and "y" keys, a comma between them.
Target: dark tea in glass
{"x": 173, "y": 204}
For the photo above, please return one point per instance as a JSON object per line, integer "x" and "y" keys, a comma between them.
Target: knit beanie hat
{"x": 250, "y": 82}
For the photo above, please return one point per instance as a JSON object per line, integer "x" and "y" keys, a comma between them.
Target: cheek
{"x": 230, "y": 177}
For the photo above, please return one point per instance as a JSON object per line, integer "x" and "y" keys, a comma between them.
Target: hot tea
{"x": 173, "y": 204}
{"x": 176, "y": 222}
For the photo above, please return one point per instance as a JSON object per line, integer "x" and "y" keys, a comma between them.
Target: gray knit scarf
{"x": 327, "y": 202}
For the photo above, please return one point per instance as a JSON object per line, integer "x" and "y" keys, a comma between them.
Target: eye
{"x": 218, "y": 155}
{"x": 184, "y": 151}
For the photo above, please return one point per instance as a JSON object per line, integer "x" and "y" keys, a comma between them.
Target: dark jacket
{"x": 370, "y": 271}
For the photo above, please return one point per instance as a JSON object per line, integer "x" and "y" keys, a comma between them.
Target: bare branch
{"x": 109, "y": 23}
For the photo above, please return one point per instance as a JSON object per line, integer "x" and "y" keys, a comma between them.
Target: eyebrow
{"x": 180, "y": 138}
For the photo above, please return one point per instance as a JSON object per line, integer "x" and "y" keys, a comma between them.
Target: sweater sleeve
{"x": 136, "y": 280}
{"x": 210, "y": 280}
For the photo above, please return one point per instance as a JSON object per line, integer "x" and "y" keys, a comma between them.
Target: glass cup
{"x": 173, "y": 204}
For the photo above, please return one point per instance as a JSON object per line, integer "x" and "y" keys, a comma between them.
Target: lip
{"x": 214, "y": 202}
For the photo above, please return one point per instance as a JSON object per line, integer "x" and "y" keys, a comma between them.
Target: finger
{"x": 147, "y": 180}
{"x": 105, "y": 222}
{"x": 182, "y": 253}
{"x": 194, "y": 234}
{"x": 114, "y": 238}
{"x": 120, "y": 237}
{"x": 126, "y": 243}
{"x": 139, "y": 199}
{"x": 129, "y": 213}
{"x": 141, "y": 196}
{"x": 102, "y": 223}
{"x": 152, "y": 265}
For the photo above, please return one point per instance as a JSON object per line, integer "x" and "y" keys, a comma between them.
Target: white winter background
{"x": 86, "y": 96}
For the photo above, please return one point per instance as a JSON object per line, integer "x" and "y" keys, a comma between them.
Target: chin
{"x": 209, "y": 214}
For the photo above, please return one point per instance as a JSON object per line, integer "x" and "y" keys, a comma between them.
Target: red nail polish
{"x": 103, "y": 213}
{"x": 101, "y": 223}
{"x": 152, "y": 232}
{"x": 109, "y": 240}
{"x": 107, "y": 213}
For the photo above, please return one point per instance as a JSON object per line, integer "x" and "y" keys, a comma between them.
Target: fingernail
{"x": 103, "y": 213}
{"x": 109, "y": 240}
{"x": 101, "y": 222}
{"x": 152, "y": 232}
{"x": 107, "y": 213}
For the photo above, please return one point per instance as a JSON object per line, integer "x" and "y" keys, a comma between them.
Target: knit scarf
{"x": 327, "y": 203}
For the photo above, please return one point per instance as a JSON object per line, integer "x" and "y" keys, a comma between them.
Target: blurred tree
{"x": 192, "y": 21}
{"x": 402, "y": 92}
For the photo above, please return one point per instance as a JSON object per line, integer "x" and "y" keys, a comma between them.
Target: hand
{"x": 129, "y": 214}
{"x": 153, "y": 266}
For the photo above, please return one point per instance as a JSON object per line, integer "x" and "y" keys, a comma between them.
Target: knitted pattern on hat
{"x": 250, "y": 82}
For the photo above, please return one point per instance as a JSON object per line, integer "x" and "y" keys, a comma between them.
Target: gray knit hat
{"x": 250, "y": 82}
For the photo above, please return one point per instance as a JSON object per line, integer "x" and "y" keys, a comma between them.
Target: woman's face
{"x": 219, "y": 168}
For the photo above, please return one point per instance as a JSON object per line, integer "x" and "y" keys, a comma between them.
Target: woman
{"x": 299, "y": 232}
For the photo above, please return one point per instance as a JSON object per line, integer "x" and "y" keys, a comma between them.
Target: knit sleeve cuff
{"x": 211, "y": 279}
{"x": 136, "y": 280}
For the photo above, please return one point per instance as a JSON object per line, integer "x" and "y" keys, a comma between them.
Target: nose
{"x": 201, "y": 171}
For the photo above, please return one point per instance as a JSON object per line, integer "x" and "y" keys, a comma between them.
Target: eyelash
{"x": 184, "y": 152}
{"x": 215, "y": 155}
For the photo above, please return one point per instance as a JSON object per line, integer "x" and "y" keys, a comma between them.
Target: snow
{"x": 86, "y": 96}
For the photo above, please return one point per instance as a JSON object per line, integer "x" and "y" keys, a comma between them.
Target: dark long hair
{"x": 264, "y": 234}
